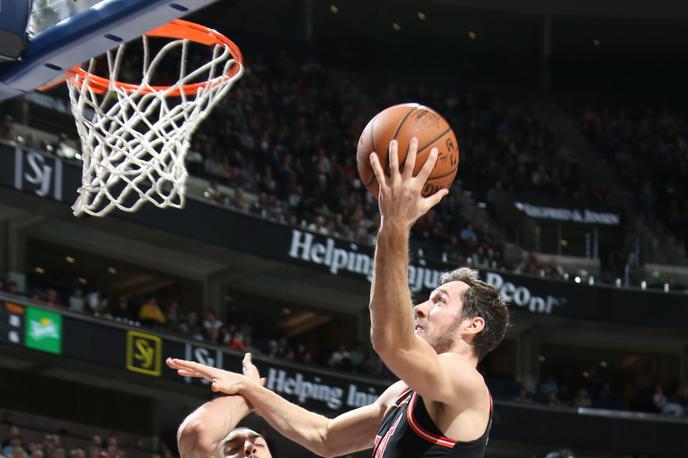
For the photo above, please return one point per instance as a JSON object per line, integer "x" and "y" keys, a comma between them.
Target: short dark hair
{"x": 481, "y": 300}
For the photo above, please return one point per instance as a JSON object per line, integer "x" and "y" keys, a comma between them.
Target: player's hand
{"x": 400, "y": 198}
{"x": 250, "y": 370}
{"x": 220, "y": 380}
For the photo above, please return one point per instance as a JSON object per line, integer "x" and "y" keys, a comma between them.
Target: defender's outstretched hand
{"x": 400, "y": 198}
{"x": 220, "y": 380}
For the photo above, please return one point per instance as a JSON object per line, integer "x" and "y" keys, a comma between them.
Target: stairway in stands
{"x": 657, "y": 245}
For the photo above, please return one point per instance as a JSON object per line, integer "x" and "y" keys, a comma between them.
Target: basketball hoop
{"x": 135, "y": 136}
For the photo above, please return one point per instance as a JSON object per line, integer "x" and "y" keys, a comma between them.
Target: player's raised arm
{"x": 391, "y": 313}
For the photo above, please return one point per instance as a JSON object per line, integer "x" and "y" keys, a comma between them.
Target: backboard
{"x": 54, "y": 35}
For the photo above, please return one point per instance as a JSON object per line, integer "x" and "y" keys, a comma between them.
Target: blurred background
{"x": 570, "y": 198}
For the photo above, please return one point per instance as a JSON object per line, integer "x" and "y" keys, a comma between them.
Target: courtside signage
{"x": 306, "y": 247}
{"x": 43, "y": 330}
{"x": 571, "y": 215}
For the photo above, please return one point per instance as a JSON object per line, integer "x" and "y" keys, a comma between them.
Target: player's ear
{"x": 475, "y": 324}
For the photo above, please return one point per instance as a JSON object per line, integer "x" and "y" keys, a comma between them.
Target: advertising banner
{"x": 568, "y": 214}
{"x": 43, "y": 330}
{"x": 143, "y": 352}
{"x": 278, "y": 242}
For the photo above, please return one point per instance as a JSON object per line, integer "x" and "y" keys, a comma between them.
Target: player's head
{"x": 463, "y": 308}
{"x": 245, "y": 442}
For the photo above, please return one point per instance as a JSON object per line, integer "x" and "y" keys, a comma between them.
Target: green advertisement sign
{"x": 43, "y": 330}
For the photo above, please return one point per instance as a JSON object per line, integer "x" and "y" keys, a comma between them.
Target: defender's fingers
{"x": 377, "y": 169}
{"x": 206, "y": 371}
{"x": 186, "y": 373}
{"x": 410, "y": 162}
{"x": 428, "y": 166}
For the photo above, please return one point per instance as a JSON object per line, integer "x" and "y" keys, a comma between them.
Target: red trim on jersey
{"x": 420, "y": 431}
{"x": 396, "y": 401}
{"x": 380, "y": 449}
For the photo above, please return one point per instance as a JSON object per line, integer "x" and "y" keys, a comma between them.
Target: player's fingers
{"x": 410, "y": 162}
{"x": 393, "y": 158}
{"x": 428, "y": 166}
{"x": 435, "y": 199}
{"x": 186, "y": 373}
{"x": 377, "y": 169}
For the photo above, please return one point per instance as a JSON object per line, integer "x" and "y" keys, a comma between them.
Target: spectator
{"x": 236, "y": 342}
{"x": 15, "y": 447}
{"x": 13, "y": 431}
{"x": 7, "y": 135}
{"x": 524, "y": 396}
{"x": 52, "y": 298}
{"x": 77, "y": 302}
{"x": 553, "y": 399}
{"x": 664, "y": 405}
{"x": 211, "y": 322}
{"x": 340, "y": 359}
{"x": 172, "y": 317}
{"x": 150, "y": 313}
{"x": 582, "y": 398}
{"x": 548, "y": 386}
{"x": 122, "y": 311}
{"x": 96, "y": 446}
{"x": 357, "y": 358}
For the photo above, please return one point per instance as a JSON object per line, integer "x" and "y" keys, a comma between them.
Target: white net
{"x": 135, "y": 141}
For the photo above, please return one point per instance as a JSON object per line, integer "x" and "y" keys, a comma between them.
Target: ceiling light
{"x": 596, "y": 42}
{"x": 334, "y": 9}
{"x": 603, "y": 363}
{"x": 586, "y": 374}
{"x": 421, "y": 15}
{"x": 69, "y": 259}
{"x": 542, "y": 359}
{"x": 39, "y": 270}
{"x": 396, "y": 26}
{"x": 472, "y": 35}
{"x": 82, "y": 280}
{"x": 112, "y": 270}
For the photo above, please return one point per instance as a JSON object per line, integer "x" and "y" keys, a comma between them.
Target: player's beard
{"x": 445, "y": 341}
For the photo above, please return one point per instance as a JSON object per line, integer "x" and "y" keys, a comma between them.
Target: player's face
{"x": 438, "y": 319}
{"x": 244, "y": 445}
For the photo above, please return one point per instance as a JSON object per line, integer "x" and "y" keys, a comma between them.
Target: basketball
{"x": 402, "y": 122}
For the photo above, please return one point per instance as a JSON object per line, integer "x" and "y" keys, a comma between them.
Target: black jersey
{"x": 407, "y": 431}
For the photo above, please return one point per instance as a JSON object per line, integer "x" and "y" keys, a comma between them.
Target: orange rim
{"x": 176, "y": 29}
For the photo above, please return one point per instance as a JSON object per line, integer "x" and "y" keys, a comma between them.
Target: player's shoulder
{"x": 392, "y": 393}
{"x": 463, "y": 373}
